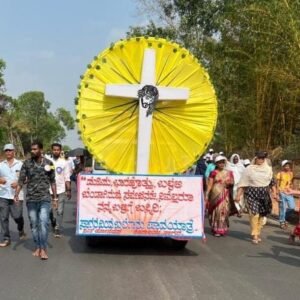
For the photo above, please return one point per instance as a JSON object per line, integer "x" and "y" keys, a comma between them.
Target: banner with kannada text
{"x": 168, "y": 206}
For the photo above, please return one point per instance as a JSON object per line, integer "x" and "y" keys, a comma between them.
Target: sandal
{"x": 283, "y": 225}
{"x": 292, "y": 239}
{"x": 255, "y": 239}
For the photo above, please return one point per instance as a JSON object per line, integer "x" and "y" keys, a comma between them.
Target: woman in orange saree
{"x": 218, "y": 197}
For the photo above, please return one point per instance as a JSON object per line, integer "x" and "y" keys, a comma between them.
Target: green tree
{"x": 13, "y": 128}
{"x": 43, "y": 124}
{"x": 2, "y": 67}
{"x": 3, "y": 98}
{"x": 65, "y": 118}
{"x": 252, "y": 52}
{"x": 5, "y": 101}
{"x": 33, "y": 107}
{"x": 66, "y": 148}
{"x": 152, "y": 30}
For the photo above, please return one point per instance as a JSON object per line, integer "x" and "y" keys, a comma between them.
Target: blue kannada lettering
{"x": 95, "y": 223}
{"x": 172, "y": 225}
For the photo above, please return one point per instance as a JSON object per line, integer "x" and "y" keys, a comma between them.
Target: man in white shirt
{"x": 63, "y": 187}
{"x": 70, "y": 161}
{"x": 9, "y": 174}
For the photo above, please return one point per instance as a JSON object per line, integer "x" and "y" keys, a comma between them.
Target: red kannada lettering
{"x": 171, "y": 184}
{"x": 99, "y": 181}
{"x": 106, "y": 194}
{"x": 104, "y": 207}
{"x": 134, "y": 183}
{"x": 175, "y": 197}
{"x": 148, "y": 208}
{"x": 123, "y": 208}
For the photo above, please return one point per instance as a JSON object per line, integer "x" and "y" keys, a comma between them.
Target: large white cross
{"x": 145, "y": 122}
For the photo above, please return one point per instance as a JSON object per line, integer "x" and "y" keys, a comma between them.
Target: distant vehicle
{"x": 97, "y": 168}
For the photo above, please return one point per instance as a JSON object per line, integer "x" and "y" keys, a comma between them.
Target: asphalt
{"x": 134, "y": 268}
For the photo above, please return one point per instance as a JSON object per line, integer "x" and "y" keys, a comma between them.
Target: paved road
{"x": 223, "y": 268}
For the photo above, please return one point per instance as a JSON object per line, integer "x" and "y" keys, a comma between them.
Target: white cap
{"x": 219, "y": 158}
{"x": 8, "y": 147}
{"x": 211, "y": 150}
{"x": 284, "y": 162}
{"x": 246, "y": 162}
{"x": 221, "y": 153}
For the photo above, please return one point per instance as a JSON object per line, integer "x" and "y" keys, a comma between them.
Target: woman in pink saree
{"x": 218, "y": 197}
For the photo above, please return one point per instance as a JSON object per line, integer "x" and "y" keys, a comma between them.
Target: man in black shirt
{"x": 39, "y": 174}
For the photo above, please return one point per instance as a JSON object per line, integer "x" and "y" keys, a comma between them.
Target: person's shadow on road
{"x": 27, "y": 244}
{"x": 285, "y": 255}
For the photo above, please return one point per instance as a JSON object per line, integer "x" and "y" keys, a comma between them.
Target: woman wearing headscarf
{"x": 237, "y": 168}
{"x": 217, "y": 195}
{"x": 256, "y": 184}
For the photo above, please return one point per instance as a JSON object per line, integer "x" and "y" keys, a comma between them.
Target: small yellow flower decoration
{"x": 181, "y": 130}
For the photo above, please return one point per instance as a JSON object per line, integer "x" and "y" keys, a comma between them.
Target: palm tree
{"x": 14, "y": 126}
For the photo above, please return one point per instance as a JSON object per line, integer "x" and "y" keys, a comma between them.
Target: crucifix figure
{"x": 147, "y": 93}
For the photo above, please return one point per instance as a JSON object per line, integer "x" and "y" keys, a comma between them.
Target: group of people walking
{"x": 47, "y": 185}
{"x": 233, "y": 186}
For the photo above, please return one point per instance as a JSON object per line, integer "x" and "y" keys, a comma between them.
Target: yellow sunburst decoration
{"x": 109, "y": 124}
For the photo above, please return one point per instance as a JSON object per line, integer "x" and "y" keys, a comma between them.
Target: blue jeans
{"x": 38, "y": 213}
{"x": 286, "y": 206}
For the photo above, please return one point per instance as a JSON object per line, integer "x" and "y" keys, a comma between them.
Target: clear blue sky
{"x": 48, "y": 44}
